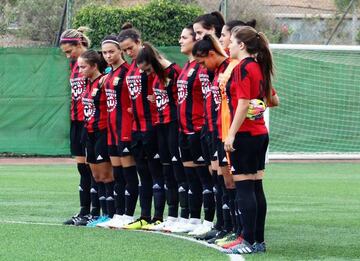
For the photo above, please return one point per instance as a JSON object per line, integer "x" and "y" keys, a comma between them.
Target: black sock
{"x": 182, "y": 189}
{"x": 171, "y": 190}
{"x": 207, "y": 192}
{"x": 84, "y": 188}
{"x": 102, "y": 197}
{"x": 246, "y": 200}
{"x": 131, "y": 189}
{"x": 261, "y": 211}
{"x": 145, "y": 189}
{"x": 155, "y": 168}
{"x": 119, "y": 190}
{"x": 218, "y": 190}
{"x": 95, "y": 203}
{"x": 110, "y": 202}
{"x": 233, "y": 210}
{"x": 194, "y": 192}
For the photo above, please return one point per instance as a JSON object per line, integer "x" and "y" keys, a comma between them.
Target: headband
{"x": 110, "y": 41}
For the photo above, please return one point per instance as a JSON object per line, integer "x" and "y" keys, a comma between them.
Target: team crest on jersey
{"x": 116, "y": 81}
{"x": 162, "y": 99}
{"x": 216, "y": 96}
{"x": 182, "y": 91}
{"x": 111, "y": 101}
{"x": 134, "y": 85}
{"x": 205, "y": 85}
{"x": 77, "y": 88}
{"x": 89, "y": 108}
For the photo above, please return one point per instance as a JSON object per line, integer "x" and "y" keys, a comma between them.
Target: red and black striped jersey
{"x": 140, "y": 87}
{"x": 246, "y": 83}
{"x": 94, "y": 102}
{"x": 78, "y": 85}
{"x": 190, "y": 99}
{"x": 166, "y": 95}
{"x": 119, "y": 119}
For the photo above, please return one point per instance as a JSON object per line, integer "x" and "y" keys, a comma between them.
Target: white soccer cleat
{"x": 205, "y": 227}
{"x": 126, "y": 220}
{"x": 108, "y": 224}
{"x": 179, "y": 222}
{"x": 188, "y": 227}
{"x": 168, "y": 222}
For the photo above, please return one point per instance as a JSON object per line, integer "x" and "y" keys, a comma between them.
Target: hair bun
{"x": 127, "y": 25}
{"x": 251, "y": 23}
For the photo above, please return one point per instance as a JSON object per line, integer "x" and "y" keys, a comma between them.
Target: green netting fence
{"x": 319, "y": 94}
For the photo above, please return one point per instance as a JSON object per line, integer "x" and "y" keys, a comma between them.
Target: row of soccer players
{"x": 194, "y": 136}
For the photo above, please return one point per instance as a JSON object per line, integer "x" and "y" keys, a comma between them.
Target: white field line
{"x": 231, "y": 257}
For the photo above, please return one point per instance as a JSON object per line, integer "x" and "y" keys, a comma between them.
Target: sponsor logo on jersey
{"x": 89, "y": 108}
{"x": 161, "y": 98}
{"x": 216, "y": 96}
{"x": 182, "y": 90}
{"x": 111, "y": 101}
{"x": 205, "y": 85}
{"x": 77, "y": 88}
{"x": 134, "y": 85}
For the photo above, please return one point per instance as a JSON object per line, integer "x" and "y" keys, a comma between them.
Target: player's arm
{"x": 274, "y": 99}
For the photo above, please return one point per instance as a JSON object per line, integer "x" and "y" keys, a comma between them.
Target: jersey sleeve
{"x": 243, "y": 88}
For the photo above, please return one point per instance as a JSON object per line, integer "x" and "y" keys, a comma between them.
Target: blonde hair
{"x": 76, "y": 36}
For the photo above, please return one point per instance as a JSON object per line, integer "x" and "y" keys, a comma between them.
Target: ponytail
{"x": 213, "y": 20}
{"x": 258, "y": 45}
{"x": 129, "y": 32}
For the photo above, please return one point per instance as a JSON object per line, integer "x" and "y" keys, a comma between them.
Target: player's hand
{"x": 151, "y": 98}
{"x": 228, "y": 144}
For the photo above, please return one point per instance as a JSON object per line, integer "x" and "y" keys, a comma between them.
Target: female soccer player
{"x": 73, "y": 43}
{"x": 247, "y": 139}
{"x": 208, "y": 24}
{"x": 226, "y": 31}
{"x": 94, "y": 102}
{"x": 144, "y": 138}
{"x": 167, "y": 128}
{"x": 191, "y": 121}
{"x": 119, "y": 135}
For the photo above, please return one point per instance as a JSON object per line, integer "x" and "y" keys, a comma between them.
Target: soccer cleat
{"x": 202, "y": 229}
{"x": 221, "y": 234}
{"x": 116, "y": 218}
{"x": 191, "y": 225}
{"x": 94, "y": 222}
{"x": 163, "y": 226}
{"x": 137, "y": 224}
{"x": 153, "y": 223}
{"x": 176, "y": 224}
{"x": 227, "y": 239}
{"x": 73, "y": 219}
{"x": 259, "y": 247}
{"x": 231, "y": 244}
{"x": 83, "y": 220}
{"x": 243, "y": 248}
{"x": 208, "y": 235}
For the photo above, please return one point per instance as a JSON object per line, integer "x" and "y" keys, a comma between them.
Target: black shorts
{"x": 168, "y": 142}
{"x": 222, "y": 157}
{"x": 249, "y": 154}
{"x": 77, "y": 138}
{"x": 96, "y": 147}
{"x": 123, "y": 149}
{"x": 192, "y": 148}
{"x": 144, "y": 145}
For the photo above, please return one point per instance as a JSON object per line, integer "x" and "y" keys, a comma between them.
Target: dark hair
{"x": 191, "y": 28}
{"x": 231, "y": 24}
{"x": 92, "y": 58}
{"x": 258, "y": 45}
{"x": 207, "y": 44}
{"x": 149, "y": 55}
{"x": 212, "y": 20}
{"x": 114, "y": 40}
{"x": 129, "y": 32}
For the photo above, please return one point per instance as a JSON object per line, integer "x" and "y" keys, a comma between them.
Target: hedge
{"x": 160, "y": 21}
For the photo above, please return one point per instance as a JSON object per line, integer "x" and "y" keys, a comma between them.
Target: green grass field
{"x": 313, "y": 214}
